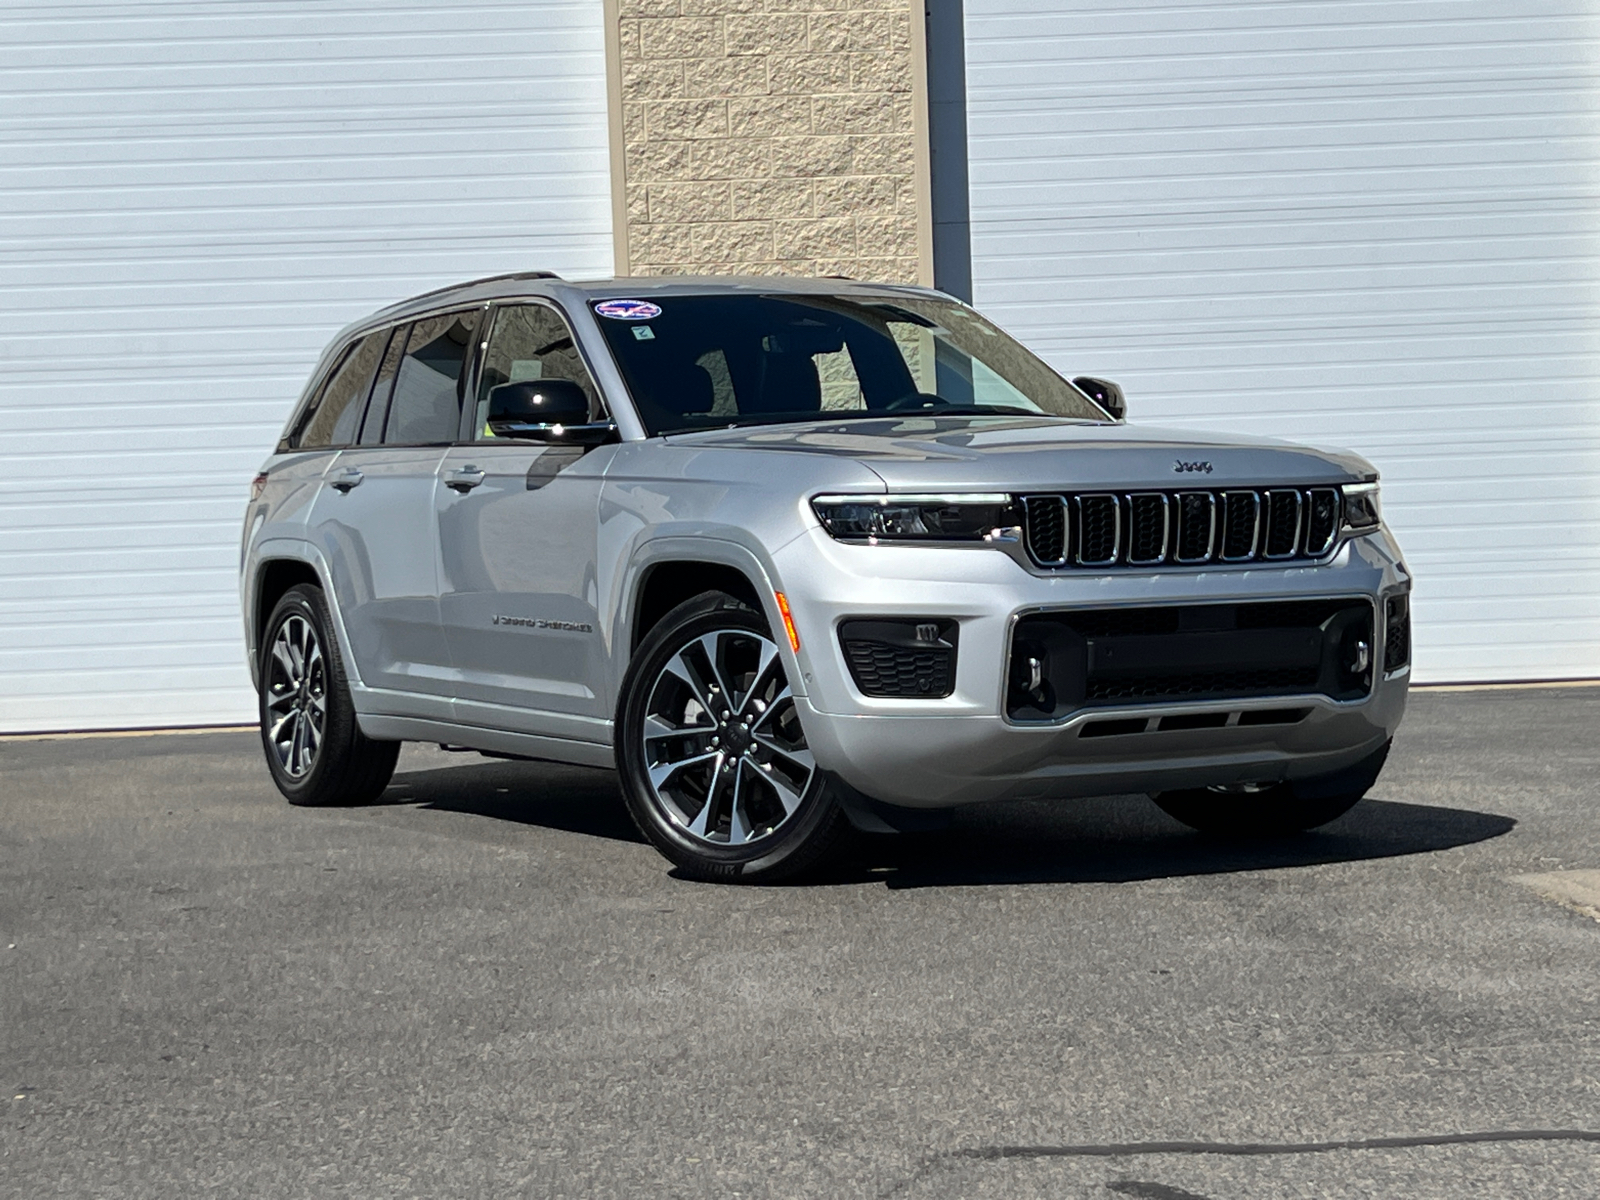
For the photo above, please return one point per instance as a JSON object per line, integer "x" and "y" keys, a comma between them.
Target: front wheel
{"x": 1269, "y": 810}
{"x": 714, "y": 764}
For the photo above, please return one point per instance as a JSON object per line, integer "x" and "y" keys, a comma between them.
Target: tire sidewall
{"x": 306, "y": 603}
{"x": 765, "y": 858}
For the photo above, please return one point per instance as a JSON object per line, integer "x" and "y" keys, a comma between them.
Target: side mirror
{"x": 544, "y": 410}
{"x": 1106, "y": 394}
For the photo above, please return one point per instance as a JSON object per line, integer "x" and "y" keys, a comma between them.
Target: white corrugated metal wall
{"x": 193, "y": 198}
{"x": 1367, "y": 224}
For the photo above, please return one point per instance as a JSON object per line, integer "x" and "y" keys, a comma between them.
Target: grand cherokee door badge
{"x": 541, "y": 623}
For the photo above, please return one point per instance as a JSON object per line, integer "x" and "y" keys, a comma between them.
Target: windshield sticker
{"x": 627, "y": 310}
{"x": 643, "y": 333}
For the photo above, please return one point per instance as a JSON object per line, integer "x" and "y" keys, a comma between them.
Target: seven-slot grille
{"x": 1180, "y": 528}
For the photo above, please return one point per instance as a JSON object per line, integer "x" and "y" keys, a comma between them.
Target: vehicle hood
{"x": 935, "y": 453}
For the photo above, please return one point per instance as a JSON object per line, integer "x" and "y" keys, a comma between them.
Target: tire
{"x": 724, "y": 800}
{"x": 315, "y": 749}
{"x": 1275, "y": 810}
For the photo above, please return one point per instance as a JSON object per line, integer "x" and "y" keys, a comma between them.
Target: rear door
{"x": 516, "y": 527}
{"x": 373, "y": 520}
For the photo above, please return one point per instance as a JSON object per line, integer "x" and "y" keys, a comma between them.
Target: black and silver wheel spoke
{"x": 296, "y": 696}
{"x": 722, "y": 744}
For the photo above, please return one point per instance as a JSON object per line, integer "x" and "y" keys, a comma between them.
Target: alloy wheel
{"x": 726, "y": 758}
{"x": 297, "y": 696}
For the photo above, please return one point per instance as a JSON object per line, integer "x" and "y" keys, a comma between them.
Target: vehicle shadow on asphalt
{"x": 581, "y": 800}
{"x": 1109, "y": 839}
{"x": 1121, "y": 839}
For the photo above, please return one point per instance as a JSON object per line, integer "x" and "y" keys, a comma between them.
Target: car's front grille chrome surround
{"x": 1186, "y": 528}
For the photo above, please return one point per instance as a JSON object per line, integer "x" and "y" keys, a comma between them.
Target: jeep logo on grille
{"x": 1182, "y": 467}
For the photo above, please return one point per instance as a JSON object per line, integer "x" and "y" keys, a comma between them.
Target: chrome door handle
{"x": 351, "y": 477}
{"x": 465, "y": 479}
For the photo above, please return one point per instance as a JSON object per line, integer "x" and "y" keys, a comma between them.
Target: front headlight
{"x": 955, "y": 518}
{"x": 1360, "y": 507}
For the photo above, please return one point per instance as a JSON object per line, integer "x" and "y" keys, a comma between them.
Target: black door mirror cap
{"x": 1106, "y": 394}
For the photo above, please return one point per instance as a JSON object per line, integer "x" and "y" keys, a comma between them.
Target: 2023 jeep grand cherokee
{"x": 794, "y": 553}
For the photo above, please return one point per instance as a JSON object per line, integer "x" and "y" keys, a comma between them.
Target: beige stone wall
{"x": 769, "y": 136}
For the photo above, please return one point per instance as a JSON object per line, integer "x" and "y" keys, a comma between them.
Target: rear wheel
{"x": 315, "y": 749}
{"x": 714, "y": 763}
{"x": 1269, "y": 810}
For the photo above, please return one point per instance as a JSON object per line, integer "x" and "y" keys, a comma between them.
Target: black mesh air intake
{"x": 903, "y": 657}
{"x": 1283, "y": 523}
{"x": 1396, "y": 632}
{"x": 1240, "y": 516}
{"x": 1322, "y": 519}
{"x": 1047, "y": 529}
{"x": 1099, "y": 530}
{"x": 1196, "y": 519}
{"x": 1147, "y": 527}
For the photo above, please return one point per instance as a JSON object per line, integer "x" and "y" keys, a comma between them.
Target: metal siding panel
{"x": 1360, "y": 224}
{"x": 193, "y": 198}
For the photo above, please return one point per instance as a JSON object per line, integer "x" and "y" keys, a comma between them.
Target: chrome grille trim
{"x": 1119, "y": 526}
{"x": 1272, "y": 498}
{"x": 1037, "y": 514}
{"x": 1210, "y": 499}
{"x": 1135, "y": 500}
{"x": 1229, "y": 499}
{"x": 1079, "y": 534}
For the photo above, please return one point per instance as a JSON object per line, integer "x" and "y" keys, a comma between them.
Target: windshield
{"x": 704, "y": 362}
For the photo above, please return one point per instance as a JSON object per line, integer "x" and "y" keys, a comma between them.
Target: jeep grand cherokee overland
{"x": 791, "y": 555}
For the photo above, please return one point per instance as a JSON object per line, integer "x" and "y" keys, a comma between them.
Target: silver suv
{"x": 793, "y": 555}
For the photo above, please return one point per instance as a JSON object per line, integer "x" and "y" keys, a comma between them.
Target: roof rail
{"x": 456, "y": 287}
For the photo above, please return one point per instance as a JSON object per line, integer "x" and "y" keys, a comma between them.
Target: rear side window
{"x": 426, "y": 406}
{"x": 378, "y": 408}
{"x": 335, "y": 417}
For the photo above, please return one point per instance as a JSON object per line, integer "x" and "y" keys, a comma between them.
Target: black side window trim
{"x": 401, "y": 330}
{"x": 468, "y": 368}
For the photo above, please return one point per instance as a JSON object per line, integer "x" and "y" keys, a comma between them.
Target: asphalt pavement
{"x": 487, "y": 985}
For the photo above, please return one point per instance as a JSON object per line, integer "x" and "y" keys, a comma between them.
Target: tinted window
{"x": 378, "y": 408}
{"x": 529, "y": 341}
{"x": 335, "y": 417}
{"x": 711, "y": 361}
{"x": 426, "y": 405}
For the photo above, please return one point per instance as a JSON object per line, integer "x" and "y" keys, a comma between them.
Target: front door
{"x": 517, "y": 521}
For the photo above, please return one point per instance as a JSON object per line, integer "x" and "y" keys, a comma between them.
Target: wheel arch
{"x": 667, "y": 571}
{"x": 280, "y": 565}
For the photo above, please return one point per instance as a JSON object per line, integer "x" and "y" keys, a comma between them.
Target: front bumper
{"x": 960, "y": 749}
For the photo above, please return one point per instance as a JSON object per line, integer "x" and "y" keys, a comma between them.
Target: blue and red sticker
{"x": 627, "y": 310}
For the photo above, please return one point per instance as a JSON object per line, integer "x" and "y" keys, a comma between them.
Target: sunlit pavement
{"x": 487, "y": 985}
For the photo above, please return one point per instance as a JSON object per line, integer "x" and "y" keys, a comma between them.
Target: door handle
{"x": 465, "y": 479}
{"x": 352, "y": 477}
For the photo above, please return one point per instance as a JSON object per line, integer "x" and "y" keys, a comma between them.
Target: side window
{"x": 378, "y": 407}
{"x": 529, "y": 341}
{"x": 335, "y": 417}
{"x": 425, "y": 408}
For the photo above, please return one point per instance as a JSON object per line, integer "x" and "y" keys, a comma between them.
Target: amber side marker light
{"x": 788, "y": 621}
{"x": 257, "y": 486}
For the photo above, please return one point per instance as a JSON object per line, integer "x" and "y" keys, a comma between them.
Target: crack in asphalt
{"x": 1240, "y": 1149}
{"x": 1127, "y": 1149}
